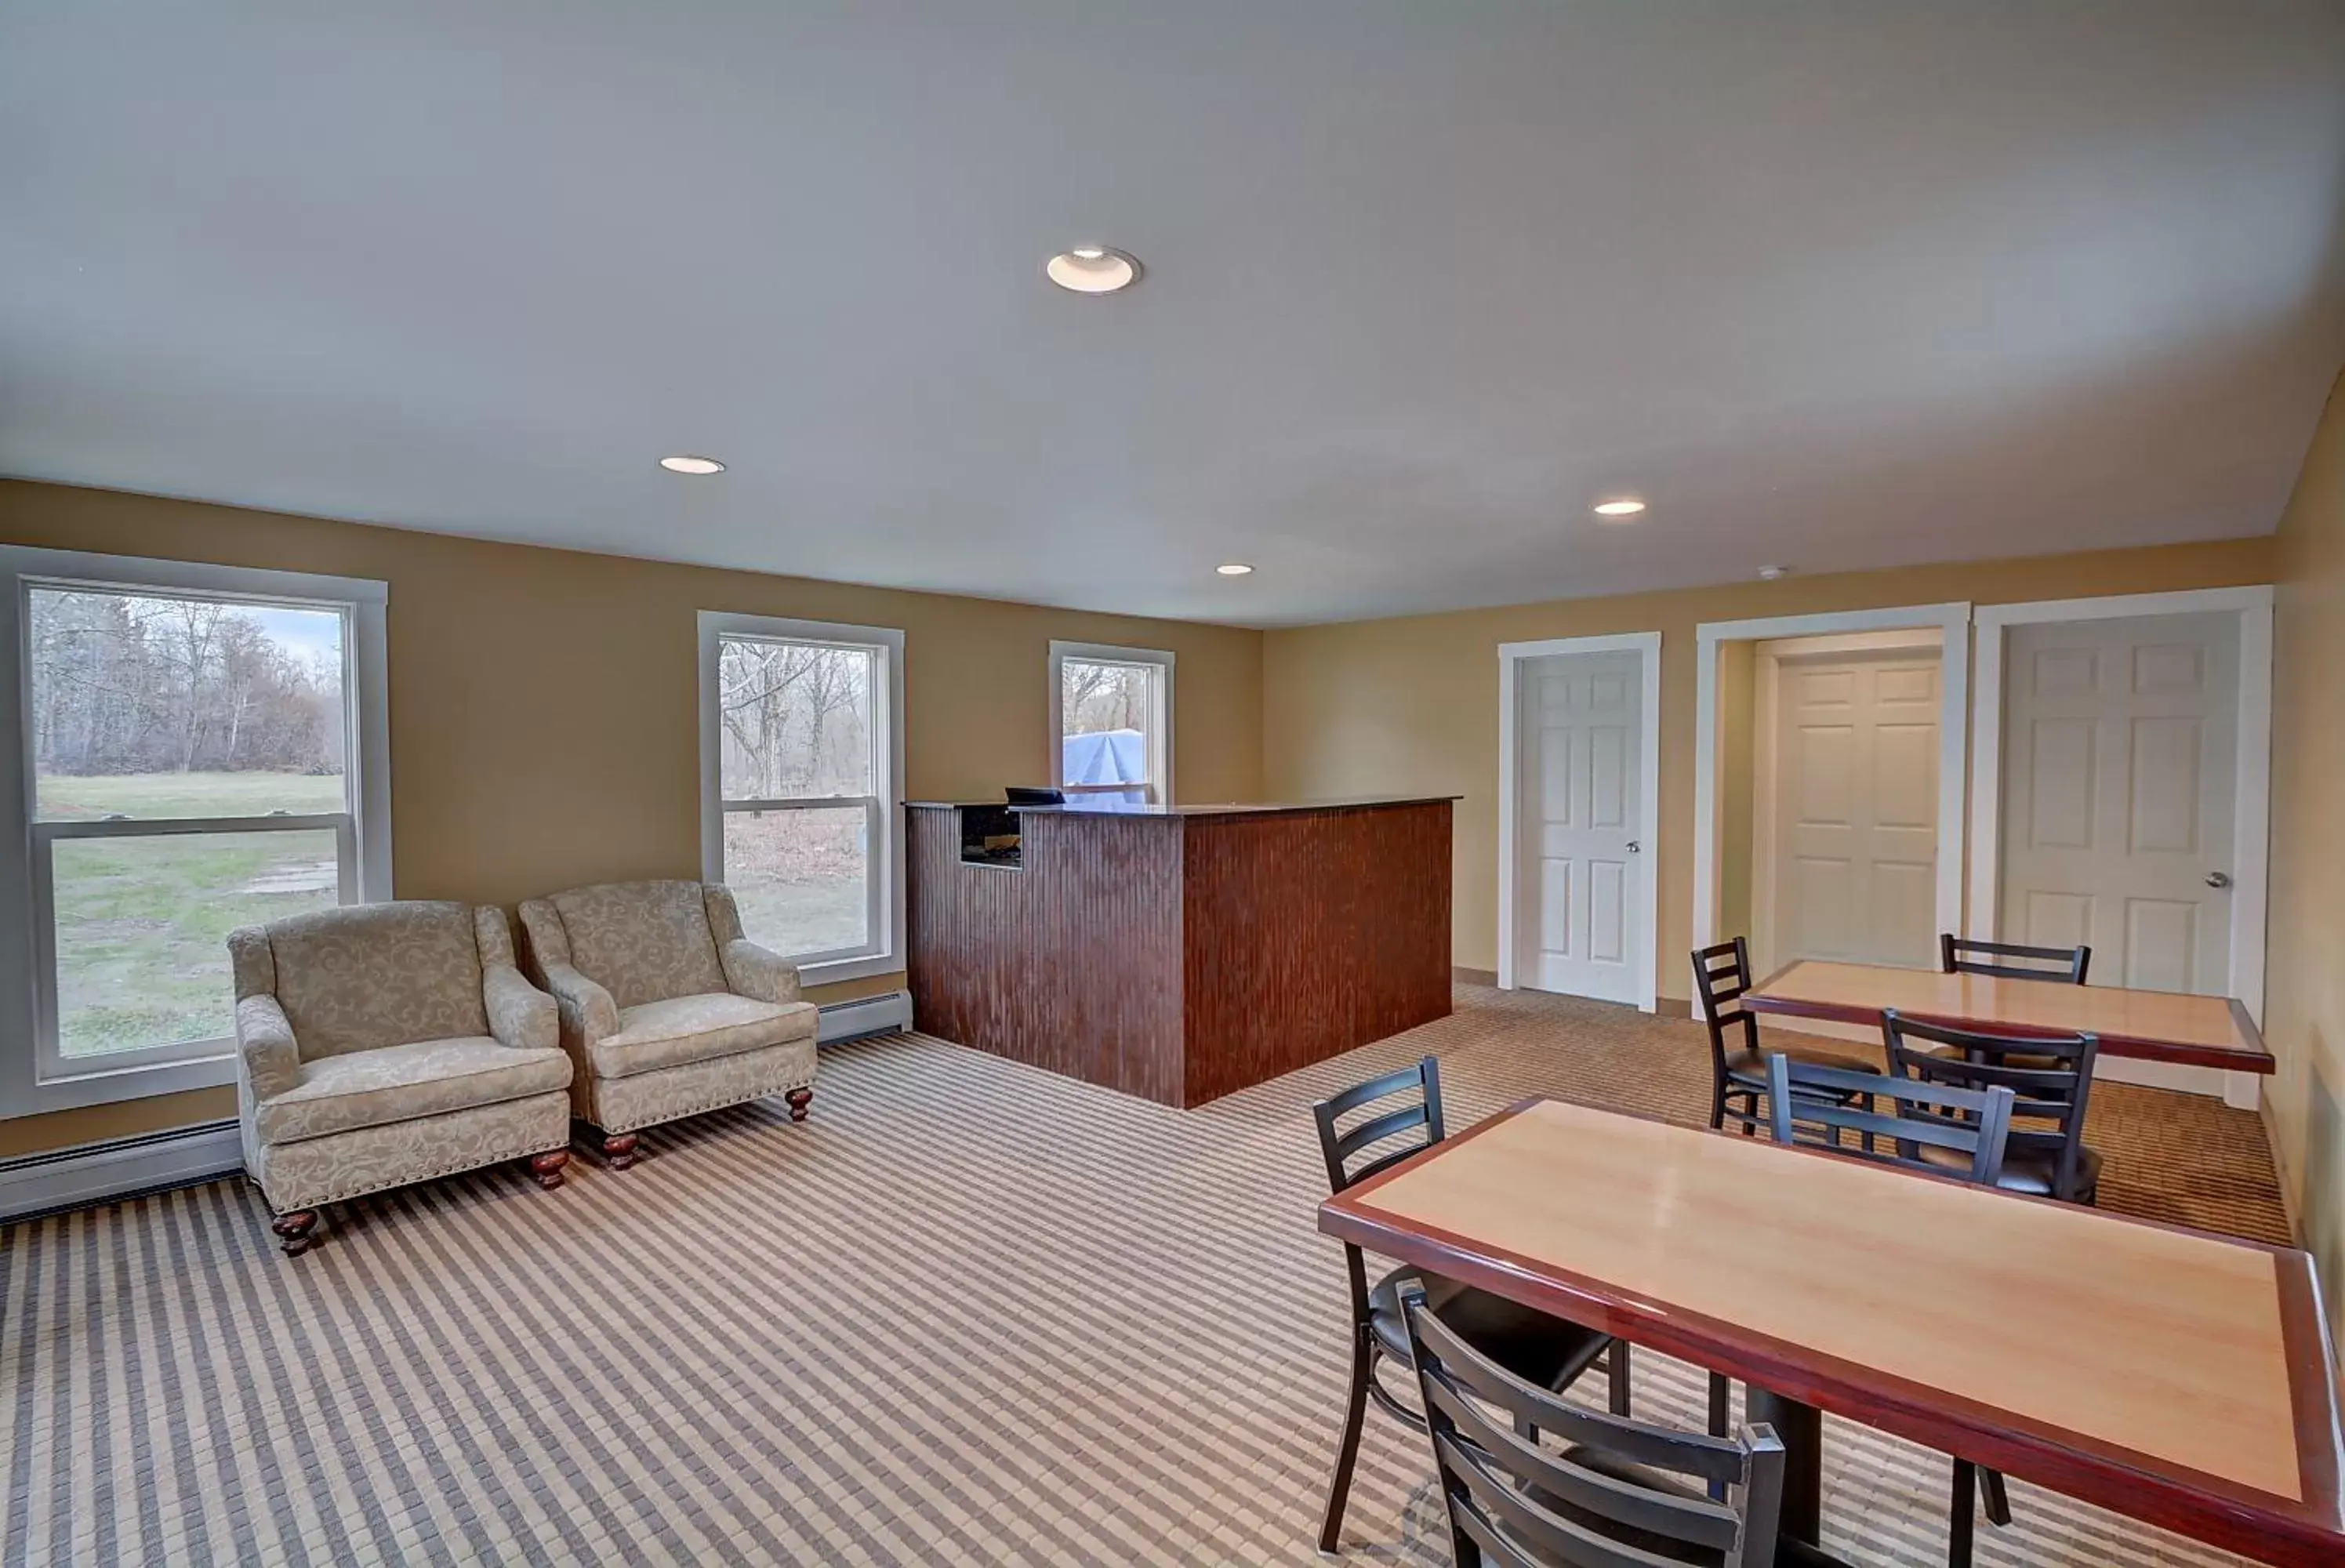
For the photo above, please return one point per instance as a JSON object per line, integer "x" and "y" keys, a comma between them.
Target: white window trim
{"x": 24, "y": 942}
{"x": 887, "y": 842}
{"x": 1159, "y": 736}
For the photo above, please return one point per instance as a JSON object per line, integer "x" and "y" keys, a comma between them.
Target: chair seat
{"x": 1549, "y": 1352}
{"x": 1748, "y": 1068}
{"x": 387, "y": 1084}
{"x": 2026, "y": 1170}
{"x": 698, "y": 1028}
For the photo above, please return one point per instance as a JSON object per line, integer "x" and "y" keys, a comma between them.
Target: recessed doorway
{"x": 1845, "y": 772}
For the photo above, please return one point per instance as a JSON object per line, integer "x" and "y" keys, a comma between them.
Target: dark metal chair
{"x": 1812, "y": 1104}
{"x": 1549, "y": 1352}
{"x": 2051, "y": 1081}
{"x": 1941, "y": 1130}
{"x": 1619, "y": 1495}
{"x": 1738, "y": 1074}
{"x": 2066, "y": 965}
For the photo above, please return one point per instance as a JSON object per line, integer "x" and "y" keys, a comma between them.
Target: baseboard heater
{"x": 57, "y": 1179}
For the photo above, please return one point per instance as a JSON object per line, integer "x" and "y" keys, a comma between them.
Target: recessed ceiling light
{"x": 1621, "y": 507}
{"x": 1769, "y": 574}
{"x": 1091, "y": 269}
{"x": 692, "y": 465}
{"x": 1234, "y": 569}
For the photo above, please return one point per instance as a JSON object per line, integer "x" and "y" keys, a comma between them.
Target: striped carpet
{"x": 968, "y": 1313}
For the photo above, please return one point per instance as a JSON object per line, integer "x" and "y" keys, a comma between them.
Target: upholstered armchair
{"x": 382, "y": 1044}
{"x": 667, "y": 1010}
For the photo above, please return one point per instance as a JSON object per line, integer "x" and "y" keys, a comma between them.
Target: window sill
{"x": 111, "y": 1086}
{"x": 836, "y": 969}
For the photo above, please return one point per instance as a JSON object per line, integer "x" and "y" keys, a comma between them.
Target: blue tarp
{"x": 1107, "y": 757}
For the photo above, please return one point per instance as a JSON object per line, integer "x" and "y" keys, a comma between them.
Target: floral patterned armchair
{"x": 667, "y": 1010}
{"x": 383, "y": 1044}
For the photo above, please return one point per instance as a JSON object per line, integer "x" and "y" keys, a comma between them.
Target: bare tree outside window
{"x": 147, "y": 709}
{"x": 796, "y": 773}
{"x": 1095, "y": 697}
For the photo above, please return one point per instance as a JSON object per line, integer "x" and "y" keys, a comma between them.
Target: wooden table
{"x": 2179, "y": 1377}
{"x": 2154, "y": 1025}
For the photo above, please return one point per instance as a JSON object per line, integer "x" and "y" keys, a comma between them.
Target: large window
{"x": 1112, "y": 711}
{"x": 189, "y": 757}
{"x": 801, "y": 748}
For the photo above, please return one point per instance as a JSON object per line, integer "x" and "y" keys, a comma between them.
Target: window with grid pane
{"x": 804, "y": 792}
{"x": 190, "y": 766}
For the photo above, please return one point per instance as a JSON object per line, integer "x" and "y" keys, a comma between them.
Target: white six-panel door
{"x": 1582, "y": 919}
{"x": 2119, "y": 775}
{"x": 1856, "y": 806}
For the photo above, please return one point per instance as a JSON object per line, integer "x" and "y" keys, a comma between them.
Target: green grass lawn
{"x": 143, "y": 923}
{"x": 67, "y": 798}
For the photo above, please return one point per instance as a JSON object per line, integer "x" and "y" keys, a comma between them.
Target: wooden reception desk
{"x": 1177, "y": 953}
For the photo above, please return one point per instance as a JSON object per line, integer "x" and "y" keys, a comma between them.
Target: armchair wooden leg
{"x": 619, "y": 1150}
{"x": 293, "y": 1231}
{"x": 547, "y": 1168}
{"x": 799, "y": 1099}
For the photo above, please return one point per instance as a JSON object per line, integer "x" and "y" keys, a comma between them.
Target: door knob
{"x": 2219, "y": 879}
{"x": 1632, "y": 847}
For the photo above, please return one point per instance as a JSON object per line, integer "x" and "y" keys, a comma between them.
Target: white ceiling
{"x": 1834, "y": 285}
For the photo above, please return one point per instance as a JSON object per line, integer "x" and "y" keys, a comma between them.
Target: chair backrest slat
{"x": 1828, "y": 1101}
{"x": 2049, "y": 1078}
{"x": 1377, "y": 1129}
{"x": 1338, "y": 1145}
{"x": 2063, "y": 965}
{"x": 1577, "y": 1487}
{"x": 1515, "y": 1502}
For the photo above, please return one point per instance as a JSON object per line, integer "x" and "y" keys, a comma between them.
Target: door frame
{"x": 1766, "y": 697}
{"x": 2250, "y": 800}
{"x": 1952, "y": 621}
{"x": 1646, "y": 645}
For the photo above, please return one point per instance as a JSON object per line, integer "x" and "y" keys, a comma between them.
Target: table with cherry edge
{"x": 2149, "y": 1025}
{"x": 2175, "y": 1376}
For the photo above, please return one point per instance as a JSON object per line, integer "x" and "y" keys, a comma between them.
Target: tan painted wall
{"x": 2304, "y": 1013}
{"x": 542, "y": 714}
{"x": 1412, "y": 703}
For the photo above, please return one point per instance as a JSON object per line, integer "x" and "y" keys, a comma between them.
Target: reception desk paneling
{"x": 1182, "y": 955}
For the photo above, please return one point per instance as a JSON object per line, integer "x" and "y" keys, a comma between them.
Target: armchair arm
{"x": 586, "y": 1011}
{"x": 752, "y": 971}
{"x": 266, "y": 1052}
{"x": 520, "y": 1015}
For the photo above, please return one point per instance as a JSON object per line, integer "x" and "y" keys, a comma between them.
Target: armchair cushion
{"x": 641, "y": 941}
{"x": 370, "y": 975}
{"x": 352, "y": 1089}
{"x": 665, "y": 1034}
